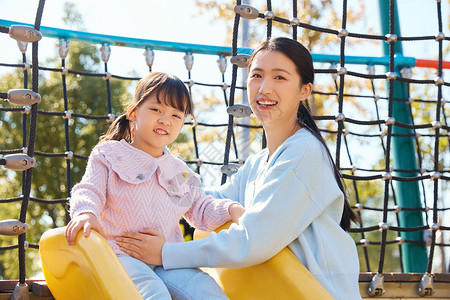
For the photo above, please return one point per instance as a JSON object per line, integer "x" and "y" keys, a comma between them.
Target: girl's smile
{"x": 160, "y": 131}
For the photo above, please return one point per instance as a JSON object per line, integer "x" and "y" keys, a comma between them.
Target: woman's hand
{"x": 85, "y": 221}
{"x": 145, "y": 245}
{"x": 236, "y": 211}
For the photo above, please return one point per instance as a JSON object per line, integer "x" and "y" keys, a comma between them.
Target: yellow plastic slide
{"x": 88, "y": 270}
{"x": 281, "y": 277}
{"x": 91, "y": 270}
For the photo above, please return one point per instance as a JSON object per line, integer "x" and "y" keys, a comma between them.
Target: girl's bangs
{"x": 175, "y": 95}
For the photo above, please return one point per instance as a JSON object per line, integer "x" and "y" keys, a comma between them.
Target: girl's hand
{"x": 145, "y": 245}
{"x": 236, "y": 211}
{"x": 87, "y": 221}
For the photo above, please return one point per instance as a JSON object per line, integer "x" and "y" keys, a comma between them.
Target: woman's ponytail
{"x": 306, "y": 120}
{"x": 119, "y": 129}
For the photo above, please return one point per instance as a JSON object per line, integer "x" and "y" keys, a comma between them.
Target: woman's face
{"x": 275, "y": 89}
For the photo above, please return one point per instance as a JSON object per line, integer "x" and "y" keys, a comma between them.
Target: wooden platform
{"x": 38, "y": 289}
{"x": 397, "y": 286}
{"x": 405, "y": 286}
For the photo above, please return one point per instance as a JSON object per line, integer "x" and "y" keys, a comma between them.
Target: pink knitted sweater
{"x": 128, "y": 190}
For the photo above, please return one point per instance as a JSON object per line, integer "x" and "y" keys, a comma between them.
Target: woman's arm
{"x": 295, "y": 190}
{"x": 292, "y": 194}
{"x": 281, "y": 210}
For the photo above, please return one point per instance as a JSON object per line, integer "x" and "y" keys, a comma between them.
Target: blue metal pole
{"x": 195, "y": 48}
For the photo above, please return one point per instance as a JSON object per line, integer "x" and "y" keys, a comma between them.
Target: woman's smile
{"x": 266, "y": 103}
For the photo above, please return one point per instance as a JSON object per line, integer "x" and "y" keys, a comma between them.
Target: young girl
{"x": 291, "y": 190}
{"x": 132, "y": 182}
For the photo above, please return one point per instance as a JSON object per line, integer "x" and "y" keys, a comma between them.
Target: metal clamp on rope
{"x": 191, "y": 119}
{"x": 63, "y": 47}
{"x": 371, "y": 69}
{"x": 376, "y": 286}
{"x": 406, "y": 72}
{"x": 149, "y": 56}
{"x": 269, "y": 15}
{"x": 12, "y": 227}
{"x": 24, "y": 33}
{"x": 426, "y": 287}
{"x": 21, "y": 292}
{"x": 239, "y": 110}
{"x": 229, "y": 169}
{"x": 333, "y": 67}
{"x": 222, "y": 61}
{"x": 17, "y": 162}
{"x": 23, "y": 97}
{"x": 241, "y": 60}
{"x": 22, "y": 46}
{"x": 26, "y": 66}
{"x": 246, "y": 11}
{"x": 294, "y": 22}
{"x": 189, "y": 60}
{"x": 26, "y": 110}
{"x": 427, "y": 237}
{"x": 105, "y": 49}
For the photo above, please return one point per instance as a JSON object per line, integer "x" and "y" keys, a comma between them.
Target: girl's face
{"x": 156, "y": 125}
{"x": 275, "y": 89}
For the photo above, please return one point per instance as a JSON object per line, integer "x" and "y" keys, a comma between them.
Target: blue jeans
{"x": 181, "y": 284}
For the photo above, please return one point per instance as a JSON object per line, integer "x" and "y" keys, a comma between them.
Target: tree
{"x": 86, "y": 95}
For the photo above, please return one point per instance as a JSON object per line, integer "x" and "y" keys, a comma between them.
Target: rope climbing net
{"x": 394, "y": 175}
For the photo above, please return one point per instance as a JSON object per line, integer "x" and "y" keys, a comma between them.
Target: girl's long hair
{"x": 302, "y": 59}
{"x": 168, "y": 89}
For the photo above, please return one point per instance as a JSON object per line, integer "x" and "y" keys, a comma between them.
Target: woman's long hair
{"x": 302, "y": 59}
{"x": 168, "y": 89}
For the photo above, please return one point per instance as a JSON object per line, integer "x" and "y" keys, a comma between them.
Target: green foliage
{"x": 86, "y": 95}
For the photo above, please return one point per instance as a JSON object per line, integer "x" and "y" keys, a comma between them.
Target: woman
{"x": 291, "y": 190}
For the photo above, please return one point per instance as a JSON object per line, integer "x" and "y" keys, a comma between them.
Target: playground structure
{"x": 398, "y": 140}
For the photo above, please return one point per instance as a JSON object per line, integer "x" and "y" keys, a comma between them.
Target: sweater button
{"x": 140, "y": 176}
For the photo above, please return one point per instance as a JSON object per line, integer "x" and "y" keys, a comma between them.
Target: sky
{"x": 179, "y": 21}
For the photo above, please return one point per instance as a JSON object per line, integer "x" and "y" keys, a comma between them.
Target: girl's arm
{"x": 89, "y": 195}
{"x": 207, "y": 213}
{"x": 212, "y": 208}
{"x": 85, "y": 221}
